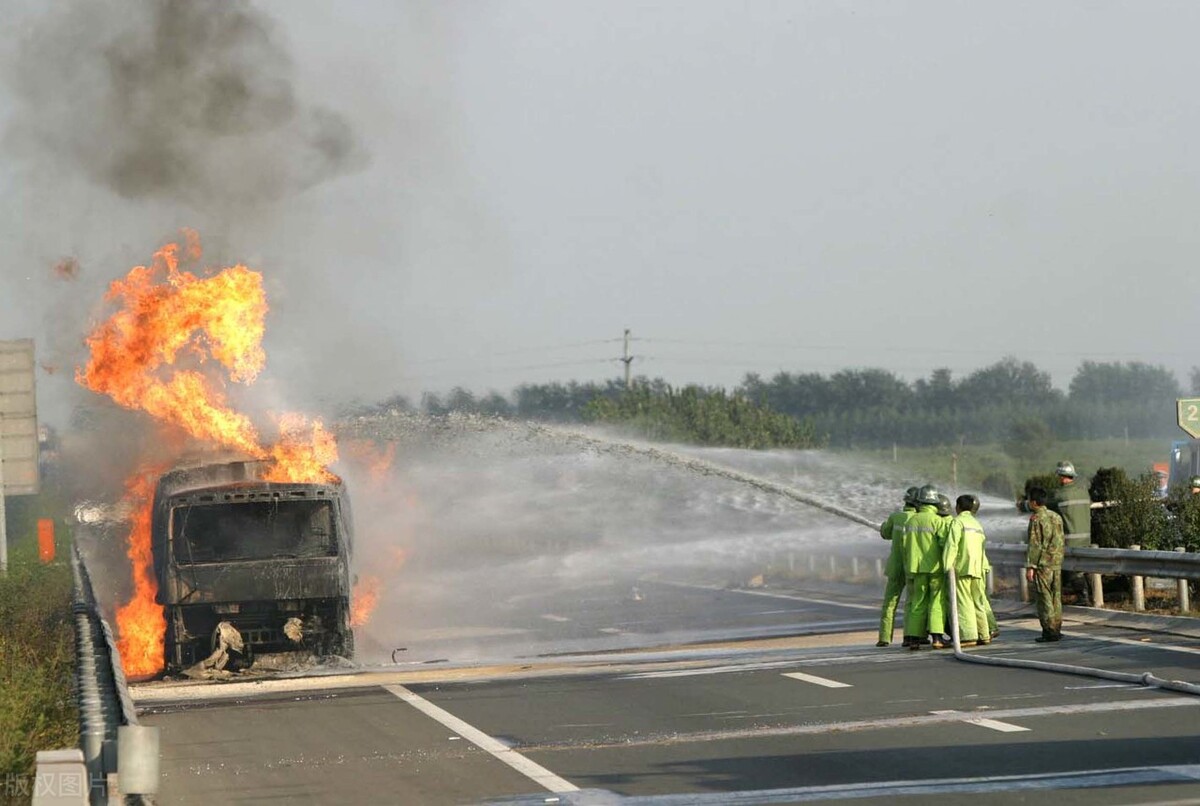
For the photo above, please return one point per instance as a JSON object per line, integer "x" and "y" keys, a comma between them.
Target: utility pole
{"x": 627, "y": 359}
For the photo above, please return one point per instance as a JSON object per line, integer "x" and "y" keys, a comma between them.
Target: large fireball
{"x": 174, "y": 341}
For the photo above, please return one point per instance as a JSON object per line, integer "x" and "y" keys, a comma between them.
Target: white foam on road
{"x": 499, "y": 750}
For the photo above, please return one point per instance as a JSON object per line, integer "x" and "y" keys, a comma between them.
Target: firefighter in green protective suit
{"x": 993, "y": 631}
{"x": 1043, "y": 564}
{"x": 893, "y": 529}
{"x": 964, "y": 553}
{"x": 922, "y": 559}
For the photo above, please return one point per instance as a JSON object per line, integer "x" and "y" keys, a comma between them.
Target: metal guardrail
{"x": 1121, "y": 562}
{"x": 106, "y": 712}
{"x": 1095, "y": 563}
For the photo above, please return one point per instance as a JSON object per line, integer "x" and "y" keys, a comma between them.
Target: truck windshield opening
{"x": 252, "y": 530}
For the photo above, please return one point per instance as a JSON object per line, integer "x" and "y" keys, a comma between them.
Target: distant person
{"x": 1072, "y": 502}
{"x": 1043, "y": 564}
{"x": 964, "y": 553}
{"x": 893, "y": 529}
{"x": 1194, "y": 485}
{"x": 924, "y": 579}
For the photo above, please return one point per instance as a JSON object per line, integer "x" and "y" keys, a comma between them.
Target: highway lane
{"x": 722, "y": 721}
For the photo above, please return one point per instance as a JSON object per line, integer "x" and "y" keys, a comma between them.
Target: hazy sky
{"x": 749, "y": 186}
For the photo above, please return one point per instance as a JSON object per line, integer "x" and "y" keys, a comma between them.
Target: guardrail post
{"x": 854, "y": 568}
{"x": 879, "y": 568}
{"x": 833, "y": 565}
{"x": 990, "y": 576}
{"x": 1024, "y": 585}
{"x": 791, "y": 562}
{"x": 1097, "y": 586}
{"x": 1182, "y": 585}
{"x": 137, "y": 764}
{"x": 1138, "y": 585}
{"x": 812, "y": 565}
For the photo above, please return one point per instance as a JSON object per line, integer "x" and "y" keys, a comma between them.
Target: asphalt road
{"x": 818, "y": 715}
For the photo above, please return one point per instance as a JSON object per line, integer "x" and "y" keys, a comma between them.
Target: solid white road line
{"x": 1033, "y": 624}
{"x": 993, "y": 724}
{"x": 552, "y": 617}
{"x": 768, "y": 594}
{"x": 820, "y": 681}
{"x": 499, "y": 750}
{"x": 887, "y": 723}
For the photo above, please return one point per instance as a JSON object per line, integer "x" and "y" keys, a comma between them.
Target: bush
{"x": 1135, "y": 515}
{"x": 37, "y": 711}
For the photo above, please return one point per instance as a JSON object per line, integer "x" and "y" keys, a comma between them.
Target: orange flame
{"x": 165, "y": 315}
{"x": 140, "y": 622}
{"x": 165, "y": 310}
{"x": 376, "y": 460}
{"x": 364, "y": 599}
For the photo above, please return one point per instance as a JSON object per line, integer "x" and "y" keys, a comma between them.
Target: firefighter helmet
{"x": 910, "y": 495}
{"x": 927, "y": 495}
{"x": 943, "y": 506}
{"x": 1065, "y": 469}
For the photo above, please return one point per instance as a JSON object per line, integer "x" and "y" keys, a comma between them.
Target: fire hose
{"x": 1145, "y": 679}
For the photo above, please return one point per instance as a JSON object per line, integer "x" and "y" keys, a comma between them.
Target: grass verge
{"x": 37, "y": 709}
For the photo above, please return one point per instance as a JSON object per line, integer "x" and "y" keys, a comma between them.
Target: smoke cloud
{"x": 177, "y": 100}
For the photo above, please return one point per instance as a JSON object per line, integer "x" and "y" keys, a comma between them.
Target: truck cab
{"x": 271, "y": 559}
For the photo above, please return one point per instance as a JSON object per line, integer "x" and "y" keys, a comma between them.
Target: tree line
{"x": 1010, "y": 402}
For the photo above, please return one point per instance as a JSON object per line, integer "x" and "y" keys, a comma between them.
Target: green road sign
{"x": 1188, "y": 414}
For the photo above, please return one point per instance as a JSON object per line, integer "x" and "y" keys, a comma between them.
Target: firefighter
{"x": 1043, "y": 564}
{"x": 922, "y": 570}
{"x": 893, "y": 529}
{"x": 964, "y": 553}
{"x": 993, "y": 630}
{"x": 1072, "y": 502}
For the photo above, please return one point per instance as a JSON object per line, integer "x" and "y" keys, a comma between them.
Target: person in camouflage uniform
{"x": 1043, "y": 564}
{"x": 893, "y": 530}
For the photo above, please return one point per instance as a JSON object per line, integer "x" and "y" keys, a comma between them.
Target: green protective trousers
{"x": 891, "y": 598}
{"x": 972, "y": 622}
{"x": 982, "y": 603}
{"x": 917, "y": 607}
{"x": 984, "y": 617}
{"x": 939, "y": 604}
{"x": 1047, "y": 586}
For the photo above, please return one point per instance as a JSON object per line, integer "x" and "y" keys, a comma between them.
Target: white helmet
{"x": 1065, "y": 469}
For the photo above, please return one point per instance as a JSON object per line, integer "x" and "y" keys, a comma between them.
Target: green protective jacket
{"x": 964, "y": 546}
{"x": 1045, "y": 538}
{"x": 894, "y": 525}
{"x": 1073, "y": 503}
{"x": 923, "y": 537}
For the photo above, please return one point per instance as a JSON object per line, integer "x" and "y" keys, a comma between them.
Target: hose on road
{"x": 1145, "y": 679}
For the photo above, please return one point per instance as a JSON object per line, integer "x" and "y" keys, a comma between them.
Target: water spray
{"x": 1144, "y": 679}
{"x": 701, "y": 466}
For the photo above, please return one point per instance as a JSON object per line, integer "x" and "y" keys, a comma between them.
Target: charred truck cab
{"x": 271, "y": 559}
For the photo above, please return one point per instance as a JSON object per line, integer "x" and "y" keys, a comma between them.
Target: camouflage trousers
{"x": 1047, "y": 587}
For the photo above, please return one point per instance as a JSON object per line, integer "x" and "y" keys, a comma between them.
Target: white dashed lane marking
{"x": 820, "y": 681}
{"x": 992, "y": 724}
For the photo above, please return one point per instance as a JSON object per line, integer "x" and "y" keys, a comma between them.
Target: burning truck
{"x": 245, "y": 565}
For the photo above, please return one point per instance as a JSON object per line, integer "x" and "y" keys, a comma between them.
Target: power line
{"x": 927, "y": 350}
